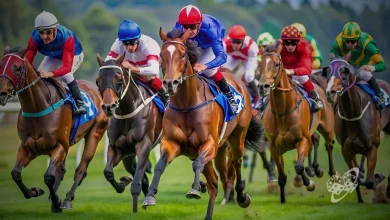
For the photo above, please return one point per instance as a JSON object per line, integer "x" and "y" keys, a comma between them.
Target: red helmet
{"x": 190, "y": 15}
{"x": 237, "y": 32}
{"x": 290, "y": 33}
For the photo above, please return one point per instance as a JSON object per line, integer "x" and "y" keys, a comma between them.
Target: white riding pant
{"x": 49, "y": 64}
{"x": 300, "y": 79}
{"x": 250, "y": 68}
{"x": 360, "y": 73}
{"x": 206, "y": 56}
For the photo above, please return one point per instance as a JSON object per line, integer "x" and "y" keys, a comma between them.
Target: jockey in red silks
{"x": 142, "y": 55}
{"x": 208, "y": 32}
{"x": 298, "y": 61}
{"x": 242, "y": 48}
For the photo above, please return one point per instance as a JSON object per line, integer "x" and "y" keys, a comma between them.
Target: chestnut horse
{"x": 135, "y": 128}
{"x": 47, "y": 134}
{"x": 358, "y": 122}
{"x": 287, "y": 120}
{"x": 193, "y": 125}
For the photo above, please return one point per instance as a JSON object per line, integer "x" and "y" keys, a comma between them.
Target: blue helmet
{"x": 128, "y": 30}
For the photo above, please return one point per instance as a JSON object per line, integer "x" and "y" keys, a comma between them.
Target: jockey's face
{"x": 290, "y": 45}
{"x": 194, "y": 29}
{"x": 131, "y": 45}
{"x": 262, "y": 49}
{"x": 236, "y": 44}
{"x": 351, "y": 44}
{"x": 47, "y": 35}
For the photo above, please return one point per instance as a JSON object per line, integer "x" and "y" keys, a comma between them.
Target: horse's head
{"x": 271, "y": 68}
{"x": 12, "y": 70}
{"x": 111, "y": 81}
{"x": 339, "y": 79}
{"x": 177, "y": 56}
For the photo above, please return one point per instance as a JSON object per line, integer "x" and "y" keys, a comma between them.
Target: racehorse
{"x": 358, "y": 122}
{"x": 288, "y": 122}
{"x": 135, "y": 128}
{"x": 193, "y": 124}
{"x": 44, "y": 128}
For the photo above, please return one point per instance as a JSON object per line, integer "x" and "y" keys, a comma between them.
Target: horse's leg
{"x": 52, "y": 175}
{"x": 252, "y": 167}
{"x": 388, "y": 187}
{"x": 309, "y": 169}
{"x": 282, "y": 178}
{"x": 316, "y": 143}
{"x": 143, "y": 149}
{"x": 212, "y": 184}
{"x": 329, "y": 141}
{"x": 231, "y": 176}
{"x": 221, "y": 166}
{"x": 130, "y": 164}
{"x": 351, "y": 162}
{"x": 361, "y": 170}
{"x": 22, "y": 160}
{"x": 206, "y": 153}
{"x": 373, "y": 179}
{"x": 114, "y": 156}
{"x": 169, "y": 150}
{"x": 91, "y": 142}
{"x": 303, "y": 148}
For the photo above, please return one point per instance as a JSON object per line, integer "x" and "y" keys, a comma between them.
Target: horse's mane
{"x": 272, "y": 48}
{"x": 193, "y": 51}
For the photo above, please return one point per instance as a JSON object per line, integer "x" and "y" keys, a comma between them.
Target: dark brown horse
{"x": 358, "y": 122}
{"x": 287, "y": 122}
{"x": 135, "y": 128}
{"x": 194, "y": 126}
{"x": 48, "y": 134}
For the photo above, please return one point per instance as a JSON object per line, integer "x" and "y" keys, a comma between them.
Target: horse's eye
{"x": 277, "y": 64}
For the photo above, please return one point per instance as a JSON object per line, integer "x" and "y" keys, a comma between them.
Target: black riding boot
{"x": 163, "y": 92}
{"x": 372, "y": 82}
{"x": 224, "y": 87}
{"x": 74, "y": 89}
{"x": 318, "y": 103}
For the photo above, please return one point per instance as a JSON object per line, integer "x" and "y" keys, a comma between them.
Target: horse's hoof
{"x": 203, "y": 187}
{"x": 149, "y": 201}
{"x": 223, "y": 202}
{"x": 125, "y": 180}
{"x": 37, "y": 191}
{"x": 298, "y": 181}
{"x": 246, "y": 203}
{"x": 311, "y": 187}
{"x": 273, "y": 187}
{"x": 193, "y": 194}
{"x": 66, "y": 204}
{"x": 379, "y": 178}
{"x": 319, "y": 172}
{"x": 310, "y": 171}
{"x": 56, "y": 208}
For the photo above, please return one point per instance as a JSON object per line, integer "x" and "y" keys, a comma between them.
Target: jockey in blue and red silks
{"x": 208, "y": 32}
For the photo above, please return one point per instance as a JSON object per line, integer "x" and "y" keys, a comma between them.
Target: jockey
{"x": 263, "y": 40}
{"x": 361, "y": 52}
{"x": 208, "y": 32}
{"x": 240, "y": 47}
{"x": 316, "y": 53}
{"x": 141, "y": 55}
{"x": 63, "y": 54}
{"x": 298, "y": 61}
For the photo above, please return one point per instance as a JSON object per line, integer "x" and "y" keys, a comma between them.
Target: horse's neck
{"x": 350, "y": 103}
{"x": 36, "y": 98}
{"x": 283, "y": 101}
{"x": 132, "y": 98}
{"x": 188, "y": 94}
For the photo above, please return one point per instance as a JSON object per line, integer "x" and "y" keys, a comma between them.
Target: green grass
{"x": 96, "y": 199}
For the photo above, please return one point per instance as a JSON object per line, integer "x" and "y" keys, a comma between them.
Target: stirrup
{"x": 80, "y": 110}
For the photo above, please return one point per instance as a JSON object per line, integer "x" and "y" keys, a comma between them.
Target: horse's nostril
{"x": 164, "y": 82}
{"x": 175, "y": 82}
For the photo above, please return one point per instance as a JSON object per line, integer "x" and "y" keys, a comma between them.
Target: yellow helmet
{"x": 301, "y": 28}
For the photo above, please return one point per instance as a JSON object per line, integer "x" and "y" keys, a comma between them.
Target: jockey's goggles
{"x": 130, "y": 42}
{"x": 351, "y": 41}
{"x": 290, "y": 42}
{"x": 45, "y": 31}
{"x": 191, "y": 26}
{"x": 236, "y": 41}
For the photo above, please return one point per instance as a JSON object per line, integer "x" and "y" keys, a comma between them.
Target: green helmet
{"x": 351, "y": 31}
{"x": 265, "y": 39}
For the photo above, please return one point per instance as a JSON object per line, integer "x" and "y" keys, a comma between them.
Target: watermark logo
{"x": 341, "y": 186}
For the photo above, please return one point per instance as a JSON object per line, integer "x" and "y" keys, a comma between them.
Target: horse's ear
{"x": 325, "y": 71}
{"x": 99, "y": 59}
{"x": 6, "y": 50}
{"x": 120, "y": 59}
{"x": 279, "y": 46}
{"x": 185, "y": 36}
{"x": 163, "y": 35}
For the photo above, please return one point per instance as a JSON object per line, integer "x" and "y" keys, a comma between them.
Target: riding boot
{"x": 372, "y": 82}
{"x": 75, "y": 90}
{"x": 224, "y": 87}
{"x": 318, "y": 103}
{"x": 163, "y": 92}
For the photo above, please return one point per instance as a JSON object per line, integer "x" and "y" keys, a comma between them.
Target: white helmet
{"x": 45, "y": 20}
{"x": 265, "y": 39}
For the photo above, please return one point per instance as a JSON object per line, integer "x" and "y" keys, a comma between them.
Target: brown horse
{"x": 135, "y": 128}
{"x": 358, "y": 122}
{"x": 287, "y": 120}
{"x": 193, "y": 125}
{"x": 48, "y": 134}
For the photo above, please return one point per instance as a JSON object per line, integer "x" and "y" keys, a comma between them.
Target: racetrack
{"x": 96, "y": 199}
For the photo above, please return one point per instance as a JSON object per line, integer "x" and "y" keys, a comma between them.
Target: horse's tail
{"x": 255, "y": 140}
